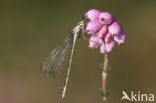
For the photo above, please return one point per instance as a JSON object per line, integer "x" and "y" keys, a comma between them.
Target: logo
{"x": 137, "y": 96}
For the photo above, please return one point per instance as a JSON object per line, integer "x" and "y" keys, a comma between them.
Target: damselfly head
{"x": 82, "y": 18}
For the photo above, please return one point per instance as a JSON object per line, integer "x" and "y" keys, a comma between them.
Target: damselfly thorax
{"x": 79, "y": 28}
{"x": 61, "y": 56}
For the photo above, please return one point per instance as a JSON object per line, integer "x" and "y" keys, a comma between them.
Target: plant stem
{"x": 104, "y": 78}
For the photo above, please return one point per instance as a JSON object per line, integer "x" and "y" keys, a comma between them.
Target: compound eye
{"x": 82, "y": 18}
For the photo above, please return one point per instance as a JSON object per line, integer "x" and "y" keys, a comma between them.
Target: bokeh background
{"x": 31, "y": 29}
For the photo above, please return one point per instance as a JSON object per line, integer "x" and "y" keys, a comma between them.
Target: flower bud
{"x": 102, "y": 32}
{"x": 92, "y": 14}
{"x": 114, "y": 28}
{"x": 110, "y": 45}
{"x": 106, "y": 18}
{"x": 108, "y": 37}
{"x": 121, "y": 38}
{"x": 94, "y": 41}
{"x": 93, "y": 26}
{"x": 103, "y": 48}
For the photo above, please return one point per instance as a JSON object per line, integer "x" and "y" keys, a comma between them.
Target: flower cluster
{"x": 105, "y": 31}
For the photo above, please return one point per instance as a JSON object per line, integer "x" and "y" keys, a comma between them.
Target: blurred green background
{"x": 31, "y": 29}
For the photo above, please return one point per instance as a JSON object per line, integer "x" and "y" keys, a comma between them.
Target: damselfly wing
{"x": 61, "y": 56}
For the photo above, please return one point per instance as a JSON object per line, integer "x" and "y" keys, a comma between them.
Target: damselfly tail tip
{"x": 63, "y": 96}
{"x": 63, "y": 92}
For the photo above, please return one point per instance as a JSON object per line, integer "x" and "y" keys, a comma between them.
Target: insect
{"x": 61, "y": 56}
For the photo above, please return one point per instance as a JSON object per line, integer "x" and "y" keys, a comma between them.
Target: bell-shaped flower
{"x": 103, "y": 48}
{"x": 110, "y": 45}
{"x": 102, "y": 32}
{"x": 94, "y": 41}
{"x": 114, "y": 28}
{"x": 92, "y": 14}
{"x": 93, "y": 26}
{"x": 121, "y": 38}
{"x": 106, "y": 18}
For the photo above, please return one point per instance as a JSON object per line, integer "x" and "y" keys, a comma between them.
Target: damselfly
{"x": 62, "y": 55}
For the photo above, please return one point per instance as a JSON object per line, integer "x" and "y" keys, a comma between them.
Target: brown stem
{"x": 104, "y": 77}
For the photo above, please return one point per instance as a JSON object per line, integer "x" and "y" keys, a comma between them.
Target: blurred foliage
{"x": 31, "y": 29}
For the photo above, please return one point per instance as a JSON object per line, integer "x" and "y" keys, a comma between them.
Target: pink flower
{"x": 106, "y": 18}
{"x": 102, "y": 32}
{"x": 114, "y": 28}
{"x": 117, "y": 32}
{"x": 92, "y": 14}
{"x": 93, "y": 26}
{"x": 94, "y": 41}
{"x": 110, "y": 45}
{"x": 103, "y": 48}
{"x": 108, "y": 37}
{"x": 92, "y": 44}
{"x": 121, "y": 38}
{"x": 107, "y": 47}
